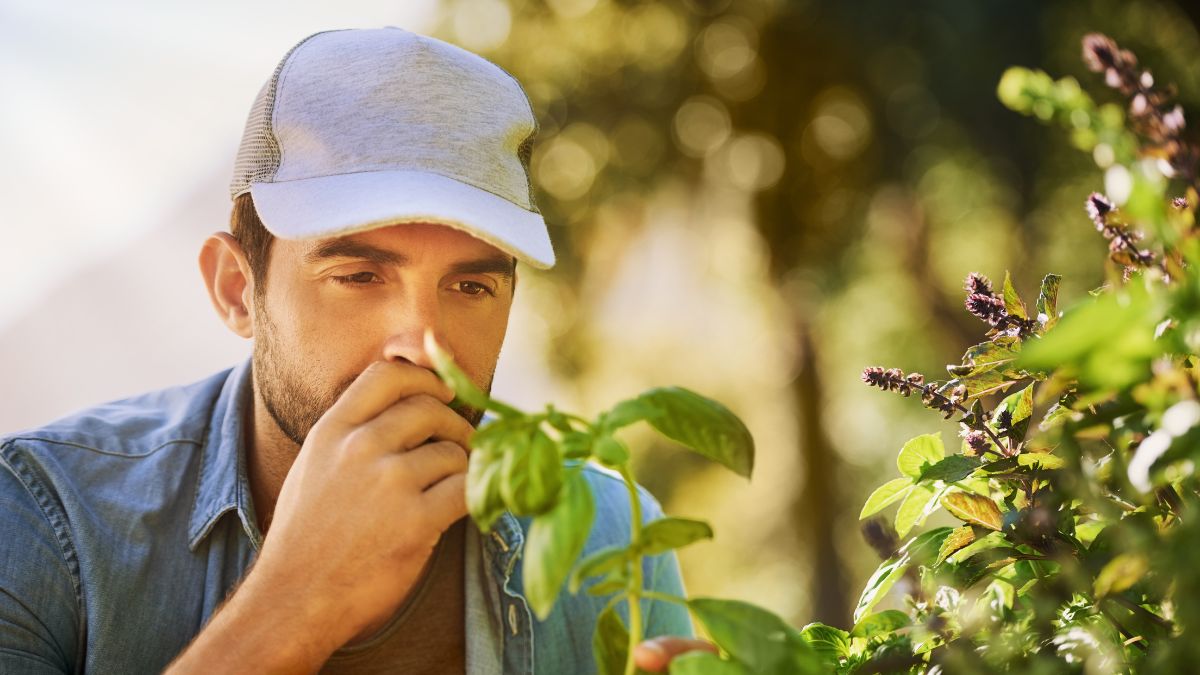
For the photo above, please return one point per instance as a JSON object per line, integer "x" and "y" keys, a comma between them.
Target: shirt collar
{"x": 223, "y": 484}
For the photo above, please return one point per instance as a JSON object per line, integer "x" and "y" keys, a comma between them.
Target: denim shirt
{"x": 124, "y": 526}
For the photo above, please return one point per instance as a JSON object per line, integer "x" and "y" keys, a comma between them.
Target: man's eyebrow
{"x": 348, "y": 248}
{"x": 501, "y": 265}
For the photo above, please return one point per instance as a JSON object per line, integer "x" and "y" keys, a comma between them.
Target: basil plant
{"x": 531, "y": 464}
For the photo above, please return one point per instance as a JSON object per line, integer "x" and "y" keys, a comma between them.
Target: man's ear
{"x": 230, "y": 282}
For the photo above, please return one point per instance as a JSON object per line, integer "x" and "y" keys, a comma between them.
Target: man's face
{"x": 332, "y": 306}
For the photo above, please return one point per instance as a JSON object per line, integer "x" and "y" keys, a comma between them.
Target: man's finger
{"x": 383, "y": 383}
{"x": 430, "y": 463}
{"x": 447, "y": 501}
{"x": 655, "y": 655}
{"x": 415, "y": 421}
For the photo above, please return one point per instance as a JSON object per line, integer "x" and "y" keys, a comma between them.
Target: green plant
{"x": 531, "y": 465}
{"x": 1077, "y": 541}
{"x": 1078, "y": 535}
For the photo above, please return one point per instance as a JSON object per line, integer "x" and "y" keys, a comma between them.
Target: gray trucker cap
{"x": 359, "y": 129}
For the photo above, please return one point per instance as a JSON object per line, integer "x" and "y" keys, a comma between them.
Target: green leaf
{"x": 1001, "y": 465}
{"x": 1012, "y": 302}
{"x": 610, "y": 451}
{"x": 1047, "y": 302}
{"x": 754, "y": 637}
{"x": 628, "y": 412}
{"x": 1107, "y": 341}
{"x": 531, "y": 476}
{"x": 880, "y": 583}
{"x": 576, "y": 445}
{"x": 703, "y": 425}
{"x": 988, "y": 359}
{"x": 495, "y": 436}
{"x": 610, "y": 643}
{"x": 1043, "y": 460}
{"x": 489, "y": 445}
{"x": 974, "y": 509}
{"x": 483, "y": 489}
{"x": 923, "y": 548}
{"x": 666, "y": 534}
{"x": 1057, "y": 415}
{"x": 1120, "y": 573}
{"x": 705, "y": 663}
{"x": 885, "y": 494}
{"x": 916, "y": 507}
{"x": 998, "y": 351}
{"x": 464, "y": 389}
{"x": 605, "y": 561}
{"x": 958, "y": 539}
{"x": 832, "y": 644}
{"x": 988, "y": 541}
{"x": 951, "y": 469}
{"x": 1020, "y": 405}
{"x": 986, "y": 384}
{"x": 887, "y": 621}
{"x": 919, "y": 451}
{"x": 987, "y": 562}
{"x": 555, "y": 540}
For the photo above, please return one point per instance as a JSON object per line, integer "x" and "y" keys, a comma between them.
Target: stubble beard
{"x": 287, "y": 389}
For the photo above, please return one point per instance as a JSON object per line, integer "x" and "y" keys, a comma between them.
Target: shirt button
{"x": 512, "y": 618}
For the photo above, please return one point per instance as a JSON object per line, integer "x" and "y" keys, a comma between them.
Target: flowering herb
{"x": 1051, "y": 568}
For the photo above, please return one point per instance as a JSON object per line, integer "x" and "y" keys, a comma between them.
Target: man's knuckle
{"x": 396, "y": 475}
{"x": 454, "y": 453}
{"x": 360, "y": 440}
{"x": 429, "y": 404}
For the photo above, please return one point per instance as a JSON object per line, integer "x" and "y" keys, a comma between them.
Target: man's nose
{"x": 406, "y": 334}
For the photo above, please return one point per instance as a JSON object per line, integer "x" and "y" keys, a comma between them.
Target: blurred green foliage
{"x": 756, "y": 198}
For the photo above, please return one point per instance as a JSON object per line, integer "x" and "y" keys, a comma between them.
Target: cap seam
{"x": 286, "y": 66}
{"x": 528, "y": 139}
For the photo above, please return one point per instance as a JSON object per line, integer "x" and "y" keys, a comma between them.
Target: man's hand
{"x": 378, "y": 480}
{"x": 655, "y": 655}
{"x": 380, "y": 477}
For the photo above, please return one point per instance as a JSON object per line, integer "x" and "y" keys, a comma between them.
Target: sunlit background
{"x": 753, "y": 199}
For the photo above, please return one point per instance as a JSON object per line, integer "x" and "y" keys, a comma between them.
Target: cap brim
{"x": 327, "y": 206}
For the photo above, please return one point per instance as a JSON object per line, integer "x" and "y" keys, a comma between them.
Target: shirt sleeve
{"x": 662, "y": 575}
{"x": 39, "y": 608}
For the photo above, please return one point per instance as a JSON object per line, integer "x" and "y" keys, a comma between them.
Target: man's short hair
{"x": 253, "y": 237}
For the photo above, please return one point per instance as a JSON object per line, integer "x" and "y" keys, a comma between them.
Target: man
{"x": 305, "y": 510}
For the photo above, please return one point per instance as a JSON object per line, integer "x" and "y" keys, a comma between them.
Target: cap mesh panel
{"x": 258, "y": 155}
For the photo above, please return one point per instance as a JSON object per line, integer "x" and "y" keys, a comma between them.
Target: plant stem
{"x": 932, "y": 391}
{"x": 1143, "y": 612}
{"x": 664, "y": 597}
{"x": 634, "y": 592}
{"x": 1130, "y": 637}
{"x": 576, "y": 418}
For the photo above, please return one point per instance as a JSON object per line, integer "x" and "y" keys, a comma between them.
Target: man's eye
{"x": 474, "y": 288}
{"x": 357, "y": 279}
